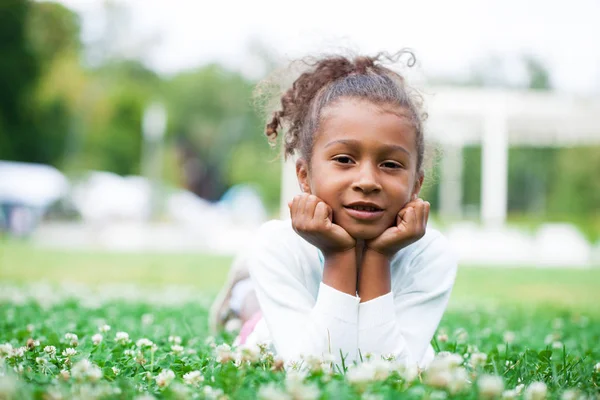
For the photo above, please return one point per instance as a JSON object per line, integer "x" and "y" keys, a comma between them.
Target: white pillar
{"x": 450, "y": 195}
{"x": 494, "y": 174}
{"x": 289, "y": 185}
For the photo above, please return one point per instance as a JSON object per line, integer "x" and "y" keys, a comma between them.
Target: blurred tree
{"x": 19, "y": 73}
{"x": 211, "y": 108}
{"x": 36, "y": 38}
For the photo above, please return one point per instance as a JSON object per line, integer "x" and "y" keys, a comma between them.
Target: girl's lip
{"x": 363, "y": 215}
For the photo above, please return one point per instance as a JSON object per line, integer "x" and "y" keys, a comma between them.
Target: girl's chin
{"x": 364, "y": 233}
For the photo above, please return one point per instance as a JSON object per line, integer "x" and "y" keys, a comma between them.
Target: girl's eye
{"x": 390, "y": 164}
{"x": 343, "y": 160}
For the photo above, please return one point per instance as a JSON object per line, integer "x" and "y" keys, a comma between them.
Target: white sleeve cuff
{"x": 337, "y": 304}
{"x": 376, "y": 312}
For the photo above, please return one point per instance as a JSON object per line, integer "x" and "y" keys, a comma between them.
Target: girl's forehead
{"x": 366, "y": 122}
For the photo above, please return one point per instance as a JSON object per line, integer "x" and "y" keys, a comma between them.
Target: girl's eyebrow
{"x": 355, "y": 143}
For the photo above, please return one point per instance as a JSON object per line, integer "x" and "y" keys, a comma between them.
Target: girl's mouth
{"x": 363, "y": 212}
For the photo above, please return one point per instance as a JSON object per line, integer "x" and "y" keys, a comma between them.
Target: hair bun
{"x": 362, "y": 63}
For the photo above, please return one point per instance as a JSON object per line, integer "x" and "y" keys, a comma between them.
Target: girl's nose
{"x": 366, "y": 181}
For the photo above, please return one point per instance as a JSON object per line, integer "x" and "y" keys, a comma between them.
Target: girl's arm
{"x": 374, "y": 277}
{"x": 403, "y": 323}
{"x": 299, "y": 324}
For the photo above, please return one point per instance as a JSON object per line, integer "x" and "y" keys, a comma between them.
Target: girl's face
{"x": 363, "y": 166}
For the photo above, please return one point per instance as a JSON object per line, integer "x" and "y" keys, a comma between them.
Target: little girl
{"x": 355, "y": 270}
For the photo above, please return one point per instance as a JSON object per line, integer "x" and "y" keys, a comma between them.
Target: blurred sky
{"x": 448, "y": 36}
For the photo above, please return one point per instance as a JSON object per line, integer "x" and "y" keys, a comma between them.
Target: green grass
{"x": 533, "y": 325}
{"x": 562, "y": 288}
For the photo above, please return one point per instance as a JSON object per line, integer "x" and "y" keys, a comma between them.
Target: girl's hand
{"x": 410, "y": 227}
{"x": 312, "y": 219}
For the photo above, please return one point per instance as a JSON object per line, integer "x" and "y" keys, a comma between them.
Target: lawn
{"x": 105, "y": 325}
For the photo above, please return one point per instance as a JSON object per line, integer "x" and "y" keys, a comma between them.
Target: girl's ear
{"x": 302, "y": 175}
{"x": 417, "y": 187}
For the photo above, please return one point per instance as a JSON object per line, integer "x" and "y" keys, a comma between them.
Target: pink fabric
{"x": 249, "y": 326}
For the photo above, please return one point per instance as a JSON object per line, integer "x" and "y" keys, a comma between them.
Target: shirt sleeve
{"x": 403, "y": 323}
{"x": 298, "y": 323}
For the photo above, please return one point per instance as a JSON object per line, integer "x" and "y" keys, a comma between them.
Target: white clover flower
{"x": 557, "y": 345}
{"x": 361, "y": 374}
{"x": 442, "y": 338}
{"x": 408, "y": 372}
{"x": 97, "y": 339}
{"x": 459, "y": 381}
{"x": 223, "y": 353}
{"x": 177, "y": 349}
{"x": 122, "y": 337}
{"x": 371, "y": 396}
{"x": 509, "y": 394}
{"x": 558, "y": 324}
{"x": 86, "y": 370}
{"x": 270, "y": 391}
{"x": 129, "y": 352}
{"x": 298, "y": 389}
{"x": 211, "y": 394}
{"x": 147, "y": 319}
{"x": 597, "y": 367}
{"x": 72, "y": 339}
{"x": 5, "y": 349}
{"x": 461, "y": 335}
{"x": 478, "y": 359}
{"x": 30, "y": 328}
{"x": 164, "y": 378}
{"x": 104, "y": 328}
{"x": 570, "y": 394}
{"x": 446, "y": 360}
{"x": 248, "y": 353}
{"x": 116, "y": 370}
{"x": 509, "y": 337}
{"x": 139, "y": 358}
{"x": 94, "y": 374}
{"x": 490, "y": 386}
{"x": 144, "y": 342}
{"x": 193, "y": 378}
{"x": 210, "y": 341}
{"x": 69, "y": 352}
{"x": 17, "y": 352}
{"x": 145, "y": 396}
{"x": 233, "y": 325}
{"x": 64, "y": 375}
{"x": 536, "y": 391}
{"x": 175, "y": 339}
{"x": 41, "y": 361}
{"x": 519, "y": 388}
{"x": 445, "y": 372}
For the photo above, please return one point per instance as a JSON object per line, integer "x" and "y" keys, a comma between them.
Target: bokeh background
{"x": 131, "y": 149}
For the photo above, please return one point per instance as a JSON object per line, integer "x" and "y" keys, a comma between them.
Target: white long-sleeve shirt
{"x": 304, "y": 316}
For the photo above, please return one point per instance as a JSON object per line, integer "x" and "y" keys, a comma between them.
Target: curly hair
{"x": 331, "y": 78}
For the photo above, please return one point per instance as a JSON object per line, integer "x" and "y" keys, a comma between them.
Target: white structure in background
{"x": 26, "y": 192}
{"x": 35, "y": 185}
{"x": 497, "y": 119}
{"x": 154, "y": 127}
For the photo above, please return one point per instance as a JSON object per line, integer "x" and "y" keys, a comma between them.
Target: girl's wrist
{"x": 378, "y": 254}
{"x": 341, "y": 253}
{"x": 376, "y": 257}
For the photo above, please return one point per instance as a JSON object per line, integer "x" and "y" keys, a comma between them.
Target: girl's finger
{"x": 409, "y": 217}
{"x": 321, "y": 213}
{"x": 309, "y": 206}
{"x": 426, "y": 214}
{"x": 419, "y": 215}
{"x": 294, "y": 207}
